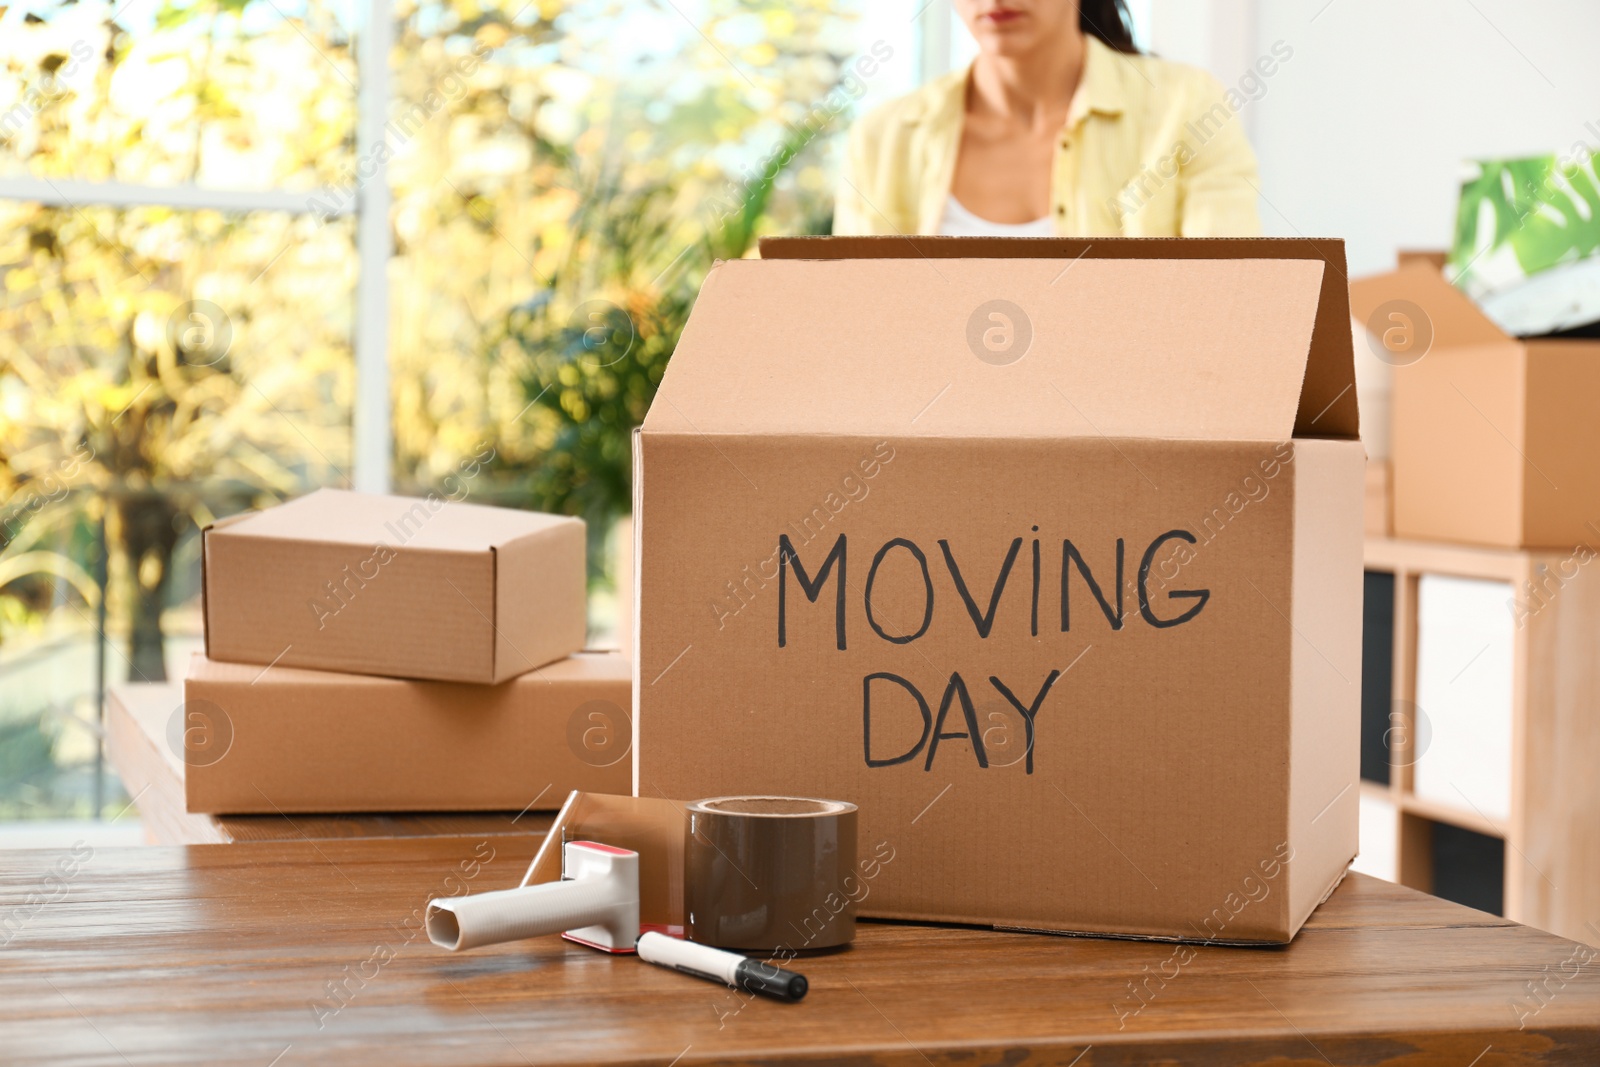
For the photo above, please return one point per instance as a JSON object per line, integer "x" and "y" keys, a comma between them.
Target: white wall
{"x": 1362, "y": 133}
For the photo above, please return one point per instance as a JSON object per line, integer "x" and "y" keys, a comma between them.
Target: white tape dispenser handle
{"x": 596, "y": 902}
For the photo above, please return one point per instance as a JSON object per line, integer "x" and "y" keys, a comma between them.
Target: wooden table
{"x": 285, "y": 953}
{"x": 137, "y": 747}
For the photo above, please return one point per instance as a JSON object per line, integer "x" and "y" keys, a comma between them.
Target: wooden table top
{"x": 281, "y": 953}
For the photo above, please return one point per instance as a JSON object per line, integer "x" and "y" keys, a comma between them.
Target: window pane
{"x": 49, "y": 653}
{"x": 563, "y": 177}
{"x": 235, "y": 94}
{"x": 158, "y": 369}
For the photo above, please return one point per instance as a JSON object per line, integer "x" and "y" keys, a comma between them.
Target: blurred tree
{"x": 141, "y": 349}
{"x": 555, "y": 219}
{"x": 550, "y": 161}
{"x": 26, "y": 761}
{"x": 596, "y": 341}
{"x": 134, "y": 394}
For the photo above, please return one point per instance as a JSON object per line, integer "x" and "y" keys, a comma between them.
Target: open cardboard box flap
{"x": 1128, "y": 339}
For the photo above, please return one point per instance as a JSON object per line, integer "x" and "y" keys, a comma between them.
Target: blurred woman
{"x": 1059, "y": 127}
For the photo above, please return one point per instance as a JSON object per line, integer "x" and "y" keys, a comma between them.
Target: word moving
{"x": 979, "y": 608}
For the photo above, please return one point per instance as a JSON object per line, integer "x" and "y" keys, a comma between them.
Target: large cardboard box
{"x": 288, "y": 740}
{"x": 1378, "y": 503}
{"x": 398, "y": 586}
{"x": 1046, "y": 553}
{"x": 1493, "y": 439}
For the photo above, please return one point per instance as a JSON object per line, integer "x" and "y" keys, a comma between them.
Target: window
{"x": 249, "y": 247}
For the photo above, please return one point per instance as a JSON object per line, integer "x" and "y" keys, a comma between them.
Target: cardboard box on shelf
{"x": 289, "y": 740}
{"x": 1493, "y": 438}
{"x": 396, "y": 586}
{"x": 1045, "y": 553}
{"x": 1378, "y": 505}
{"x": 1434, "y": 258}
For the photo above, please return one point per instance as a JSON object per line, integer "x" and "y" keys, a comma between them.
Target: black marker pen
{"x": 729, "y": 968}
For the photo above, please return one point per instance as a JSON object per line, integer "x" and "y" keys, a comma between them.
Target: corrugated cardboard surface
{"x": 137, "y": 747}
{"x": 1180, "y": 774}
{"x": 1327, "y": 404}
{"x": 1494, "y": 438}
{"x": 1213, "y": 363}
{"x": 1378, "y": 506}
{"x": 414, "y": 588}
{"x": 656, "y": 829}
{"x": 1325, "y": 609}
{"x": 144, "y": 744}
{"x": 318, "y": 741}
{"x": 1561, "y": 499}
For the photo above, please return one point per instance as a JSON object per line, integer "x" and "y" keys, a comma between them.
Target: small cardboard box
{"x": 1046, "y": 553}
{"x": 286, "y": 740}
{"x": 1493, "y": 439}
{"x": 398, "y": 586}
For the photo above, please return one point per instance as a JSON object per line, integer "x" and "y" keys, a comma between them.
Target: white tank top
{"x": 959, "y": 222}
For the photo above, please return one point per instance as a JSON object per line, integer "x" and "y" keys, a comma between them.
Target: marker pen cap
{"x": 758, "y": 977}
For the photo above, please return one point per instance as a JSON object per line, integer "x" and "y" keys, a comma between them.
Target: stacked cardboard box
{"x": 377, "y": 653}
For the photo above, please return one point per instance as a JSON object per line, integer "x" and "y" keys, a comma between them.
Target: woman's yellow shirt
{"x": 1150, "y": 148}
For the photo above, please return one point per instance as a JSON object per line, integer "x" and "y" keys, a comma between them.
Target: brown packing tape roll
{"x": 769, "y": 874}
